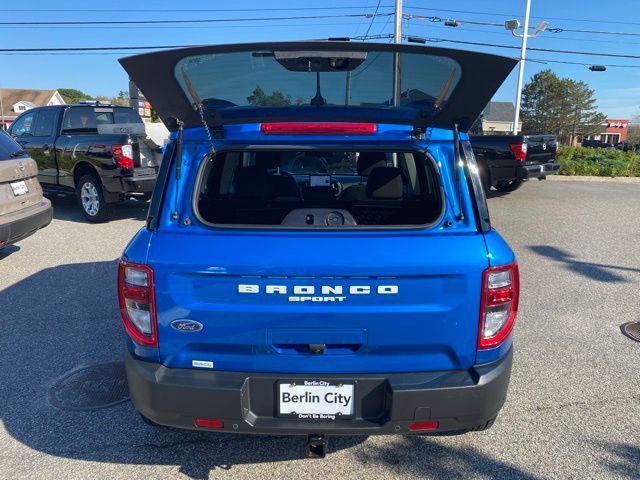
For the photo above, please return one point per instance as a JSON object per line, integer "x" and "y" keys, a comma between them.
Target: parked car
{"x": 507, "y": 161}
{"x": 94, "y": 151}
{"x": 318, "y": 265}
{"x": 23, "y": 209}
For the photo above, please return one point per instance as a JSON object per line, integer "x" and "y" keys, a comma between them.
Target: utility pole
{"x": 513, "y": 25}
{"x": 397, "y": 34}
{"x": 1, "y": 112}
{"x": 397, "y": 38}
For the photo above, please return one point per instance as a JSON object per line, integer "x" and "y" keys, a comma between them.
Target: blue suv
{"x": 318, "y": 257}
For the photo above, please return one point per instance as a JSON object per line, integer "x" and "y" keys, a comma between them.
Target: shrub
{"x": 600, "y": 162}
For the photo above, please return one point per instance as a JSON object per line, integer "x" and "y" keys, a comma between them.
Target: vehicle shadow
{"x": 65, "y": 207}
{"x": 601, "y": 272}
{"x": 623, "y": 460}
{"x": 425, "y": 457}
{"x": 8, "y": 250}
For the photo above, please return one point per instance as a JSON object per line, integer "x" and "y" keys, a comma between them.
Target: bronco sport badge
{"x": 324, "y": 293}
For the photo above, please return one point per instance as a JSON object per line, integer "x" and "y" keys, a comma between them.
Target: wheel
{"x": 509, "y": 186}
{"x": 91, "y": 199}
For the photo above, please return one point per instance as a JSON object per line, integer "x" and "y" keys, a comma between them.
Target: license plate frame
{"x": 19, "y": 188}
{"x": 320, "y": 410}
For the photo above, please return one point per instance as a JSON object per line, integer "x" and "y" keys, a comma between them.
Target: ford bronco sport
{"x": 318, "y": 257}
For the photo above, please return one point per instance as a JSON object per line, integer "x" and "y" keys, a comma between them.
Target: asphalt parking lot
{"x": 574, "y": 403}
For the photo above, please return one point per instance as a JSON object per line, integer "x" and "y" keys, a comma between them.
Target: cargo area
{"x": 319, "y": 189}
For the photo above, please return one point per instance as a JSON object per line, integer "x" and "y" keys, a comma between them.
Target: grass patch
{"x": 599, "y": 162}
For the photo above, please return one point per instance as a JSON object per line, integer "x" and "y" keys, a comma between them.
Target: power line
{"x": 513, "y": 15}
{"x": 541, "y": 37}
{"x": 428, "y": 39}
{"x": 176, "y": 10}
{"x": 200, "y": 20}
{"x": 373, "y": 18}
{"x": 551, "y": 29}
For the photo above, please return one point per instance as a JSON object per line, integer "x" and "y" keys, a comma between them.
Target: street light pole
{"x": 523, "y": 53}
{"x": 513, "y": 25}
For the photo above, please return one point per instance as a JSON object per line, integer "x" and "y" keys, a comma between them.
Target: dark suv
{"x": 93, "y": 150}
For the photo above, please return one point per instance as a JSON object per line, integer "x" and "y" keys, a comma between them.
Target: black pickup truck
{"x": 506, "y": 161}
{"x": 95, "y": 151}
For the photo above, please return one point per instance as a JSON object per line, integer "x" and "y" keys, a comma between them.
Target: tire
{"x": 509, "y": 186}
{"x": 91, "y": 199}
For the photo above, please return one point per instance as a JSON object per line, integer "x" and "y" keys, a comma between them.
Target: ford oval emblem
{"x": 186, "y": 326}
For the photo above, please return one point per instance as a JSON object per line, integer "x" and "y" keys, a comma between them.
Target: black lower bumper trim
{"x": 384, "y": 403}
{"x": 138, "y": 184}
{"x": 20, "y": 229}
{"x": 538, "y": 171}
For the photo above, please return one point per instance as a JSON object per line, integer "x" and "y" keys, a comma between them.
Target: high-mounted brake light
{"x": 499, "y": 304}
{"x": 123, "y": 156}
{"x": 331, "y": 128}
{"x": 137, "y": 302}
{"x": 519, "y": 151}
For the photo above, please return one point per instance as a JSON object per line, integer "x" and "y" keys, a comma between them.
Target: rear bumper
{"x": 27, "y": 223}
{"x": 384, "y": 403}
{"x": 537, "y": 171}
{"x": 142, "y": 184}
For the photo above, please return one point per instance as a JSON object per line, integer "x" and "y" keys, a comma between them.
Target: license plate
{"x": 316, "y": 400}
{"x": 19, "y": 188}
{"x": 141, "y": 172}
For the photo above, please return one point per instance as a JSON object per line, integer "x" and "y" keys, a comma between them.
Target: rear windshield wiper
{"x": 17, "y": 153}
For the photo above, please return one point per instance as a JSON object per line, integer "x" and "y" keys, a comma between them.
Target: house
{"x": 14, "y": 101}
{"x": 497, "y": 118}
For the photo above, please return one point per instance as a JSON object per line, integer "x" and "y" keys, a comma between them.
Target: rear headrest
{"x": 367, "y": 161}
{"x": 251, "y": 182}
{"x": 267, "y": 160}
{"x": 385, "y": 183}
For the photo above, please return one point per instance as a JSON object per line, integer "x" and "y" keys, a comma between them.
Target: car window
{"x": 126, "y": 115}
{"x": 44, "y": 123}
{"x": 23, "y": 126}
{"x": 81, "y": 119}
{"x": 8, "y": 146}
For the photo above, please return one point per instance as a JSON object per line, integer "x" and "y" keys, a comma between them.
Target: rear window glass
{"x": 87, "y": 119}
{"x": 291, "y": 78}
{"x": 319, "y": 189}
{"x": 8, "y": 147}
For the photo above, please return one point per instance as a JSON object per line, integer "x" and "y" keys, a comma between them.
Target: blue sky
{"x": 617, "y": 89}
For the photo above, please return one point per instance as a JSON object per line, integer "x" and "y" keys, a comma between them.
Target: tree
{"x": 559, "y": 106}
{"x": 71, "y": 95}
{"x": 633, "y": 136}
{"x": 276, "y": 99}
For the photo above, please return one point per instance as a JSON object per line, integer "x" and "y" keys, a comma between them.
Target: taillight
{"x": 209, "y": 423}
{"x": 331, "y": 128}
{"x": 123, "y": 156}
{"x": 499, "y": 304}
{"x": 137, "y": 302}
{"x": 519, "y": 151}
{"x": 424, "y": 425}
